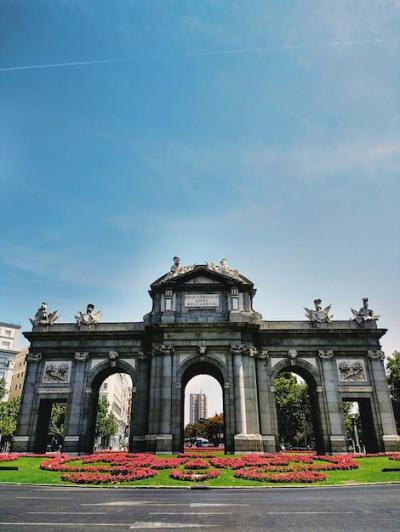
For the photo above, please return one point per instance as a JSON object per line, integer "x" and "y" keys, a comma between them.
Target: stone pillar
{"x": 390, "y": 439}
{"x": 240, "y": 403}
{"x": 73, "y": 419}
{"x": 331, "y": 418}
{"x": 24, "y": 439}
{"x": 160, "y": 401}
{"x": 265, "y": 398}
{"x": 139, "y": 417}
{"x": 247, "y": 437}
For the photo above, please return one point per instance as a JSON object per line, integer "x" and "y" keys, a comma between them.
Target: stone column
{"x": 160, "y": 400}
{"x": 240, "y": 403}
{"x": 265, "y": 398}
{"x": 247, "y": 437}
{"x": 73, "y": 419}
{"x": 391, "y": 440}
{"x": 24, "y": 439}
{"x": 139, "y": 417}
{"x": 331, "y": 417}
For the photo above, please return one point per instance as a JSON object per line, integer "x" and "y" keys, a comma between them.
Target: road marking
{"x": 134, "y": 503}
{"x": 111, "y": 525}
{"x": 308, "y": 512}
{"x": 144, "y": 524}
{"x": 202, "y": 504}
{"x": 47, "y": 498}
{"x": 68, "y": 513}
{"x": 189, "y": 513}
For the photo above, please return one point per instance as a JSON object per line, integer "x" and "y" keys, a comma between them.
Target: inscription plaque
{"x": 201, "y": 300}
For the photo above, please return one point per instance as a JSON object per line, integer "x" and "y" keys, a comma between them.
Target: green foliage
{"x": 106, "y": 424}
{"x": 210, "y": 428}
{"x": 56, "y": 427}
{"x": 294, "y": 411}
{"x": 8, "y": 420}
{"x": 393, "y": 374}
{"x": 2, "y": 389}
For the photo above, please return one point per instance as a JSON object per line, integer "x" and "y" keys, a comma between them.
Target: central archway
{"x": 211, "y": 368}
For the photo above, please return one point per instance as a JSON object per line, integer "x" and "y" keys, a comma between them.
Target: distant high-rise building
{"x": 8, "y": 340}
{"x": 198, "y": 407}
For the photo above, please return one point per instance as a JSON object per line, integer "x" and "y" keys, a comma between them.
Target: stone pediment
{"x": 202, "y": 279}
{"x": 202, "y": 274}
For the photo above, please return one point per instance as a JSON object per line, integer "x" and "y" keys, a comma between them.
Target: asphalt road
{"x": 310, "y": 509}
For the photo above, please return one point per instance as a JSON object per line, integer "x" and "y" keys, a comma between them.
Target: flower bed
{"x": 260, "y": 475}
{"x": 7, "y": 457}
{"x": 194, "y": 476}
{"x": 108, "y": 478}
{"x": 199, "y": 463}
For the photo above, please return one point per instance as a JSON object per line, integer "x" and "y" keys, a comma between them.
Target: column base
{"x": 159, "y": 443}
{"x": 391, "y": 442}
{"x": 338, "y": 444}
{"x": 21, "y": 444}
{"x": 269, "y": 444}
{"x": 71, "y": 444}
{"x": 248, "y": 443}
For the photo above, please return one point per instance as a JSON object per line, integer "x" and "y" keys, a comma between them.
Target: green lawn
{"x": 370, "y": 470}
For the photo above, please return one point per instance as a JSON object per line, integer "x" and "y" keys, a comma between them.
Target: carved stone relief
{"x": 351, "y": 370}
{"x": 57, "y": 372}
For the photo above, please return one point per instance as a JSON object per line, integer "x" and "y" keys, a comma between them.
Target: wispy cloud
{"x": 268, "y": 49}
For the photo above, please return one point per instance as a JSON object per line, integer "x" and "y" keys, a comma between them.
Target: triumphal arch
{"x": 202, "y": 321}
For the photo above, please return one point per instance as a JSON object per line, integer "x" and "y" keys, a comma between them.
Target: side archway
{"x": 96, "y": 377}
{"x": 310, "y": 375}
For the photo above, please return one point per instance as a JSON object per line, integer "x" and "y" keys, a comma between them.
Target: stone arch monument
{"x": 202, "y": 321}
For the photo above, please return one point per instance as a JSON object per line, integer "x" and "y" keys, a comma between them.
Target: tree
{"x": 294, "y": 411}
{"x": 8, "y": 421}
{"x": 106, "y": 424}
{"x": 56, "y": 427}
{"x": 215, "y": 427}
{"x": 2, "y": 389}
{"x": 393, "y": 374}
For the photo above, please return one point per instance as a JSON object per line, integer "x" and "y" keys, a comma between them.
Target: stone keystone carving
{"x": 292, "y": 354}
{"x": 376, "y": 355}
{"x": 325, "y": 354}
{"x": 113, "y": 355}
{"x": 91, "y": 317}
{"x": 319, "y": 315}
{"x": 364, "y": 314}
{"x": 81, "y": 356}
{"x": 43, "y": 317}
{"x": 202, "y": 349}
{"x": 164, "y": 349}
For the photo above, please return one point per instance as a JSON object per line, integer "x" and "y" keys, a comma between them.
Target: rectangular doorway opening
{"x": 50, "y": 426}
{"x": 359, "y": 425}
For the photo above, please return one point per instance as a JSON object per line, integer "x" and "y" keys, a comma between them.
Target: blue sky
{"x": 264, "y": 132}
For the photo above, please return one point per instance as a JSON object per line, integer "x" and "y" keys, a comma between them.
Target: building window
{"x": 235, "y": 303}
{"x": 105, "y": 385}
{"x": 7, "y": 345}
{"x": 7, "y": 332}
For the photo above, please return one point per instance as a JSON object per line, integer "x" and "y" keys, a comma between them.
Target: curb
{"x": 204, "y": 487}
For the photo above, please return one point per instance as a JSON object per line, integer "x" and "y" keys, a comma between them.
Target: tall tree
{"x": 294, "y": 411}
{"x": 393, "y": 374}
{"x": 8, "y": 421}
{"x": 106, "y": 424}
{"x": 2, "y": 389}
{"x": 56, "y": 428}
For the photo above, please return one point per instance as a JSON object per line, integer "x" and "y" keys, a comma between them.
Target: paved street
{"x": 328, "y": 509}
